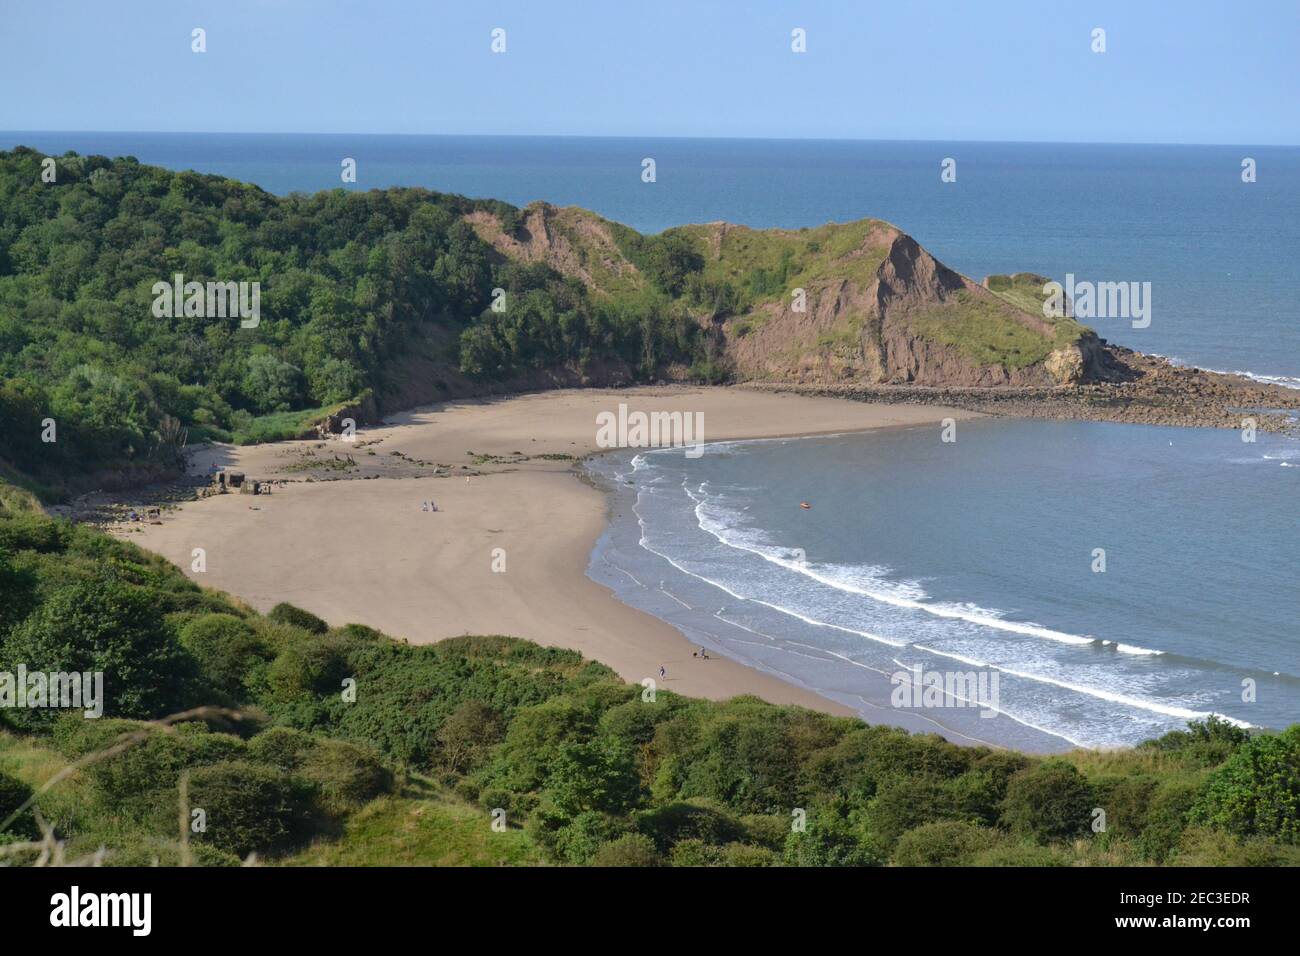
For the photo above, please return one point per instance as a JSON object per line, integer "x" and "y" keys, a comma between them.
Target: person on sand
{"x": 663, "y": 672}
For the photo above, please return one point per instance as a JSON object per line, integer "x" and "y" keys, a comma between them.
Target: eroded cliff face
{"x": 879, "y": 310}
{"x": 914, "y": 324}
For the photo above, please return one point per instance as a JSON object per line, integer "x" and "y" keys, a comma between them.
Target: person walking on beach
{"x": 663, "y": 672}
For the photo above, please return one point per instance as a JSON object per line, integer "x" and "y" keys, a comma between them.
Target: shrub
{"x": 249, "y": 807}
{"x": 904, "y": 803}
{"x": 747, "y": 855}
{"x": 346, "y": 775}
{"x": 281, "y": 747}
{"x": 1205, "y": 743}
{"x": 694, "y": 852}
{"x": 286, "y": 613}
{"x": 128, "y": 779}
{"x": 13, "y": 794}
{"x": 1049, "y": 801}
{"x": 668, "y": 825}
{"x": 578, "y": 840}
{"x": 766, "y": 831}
{"x": 226, "y": 648}
{"x": 829, "y": 839}
{"x": 1202, "y": 846}
{"x": 468, "y": 734}
{"x": 103, "y": 626}
{"x": 1257, "y": 792}
{"x": 1166, "y": 818}
{"x": 631, "y": 849}
{"x": 593, "y": 776}
{"x": 307, "y": 669}
{"x": 947, "y": 843}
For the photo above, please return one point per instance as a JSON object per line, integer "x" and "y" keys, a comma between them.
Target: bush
{"x": 947, "y": 843}
{"x": 1049, "y": 801}
{"x": 281, "y": 747}
{"x": 346, "y": 775}
{"x": 829, "y": 840}
{"x": 306, "y": 669}
{"x": 108, "y": 627}
{"x": 1166, "y": 818}
{"x": 468, "y": 734}
{"x": 133, "y": 779}
{"x": 1205, "y": 743}
{"x": 631, "y": 849}
{"x": 1257, "y": 792}
{"x": 694, "y": 852}
{"x": 1202, "y": 846}
{"x": 249, "y": 807}
{"x": 13, "y": 794}
{"x": 226, "y": 648}
{"x": 766, "y": 831}
{"x": 746, "y": 855}
{"x": 904, "y": 803}
{"x": 577, "y": 841}
{"x": 668, "y": 825}
{"x": 285, "y": 613}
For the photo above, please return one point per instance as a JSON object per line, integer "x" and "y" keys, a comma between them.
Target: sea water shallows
{"x": 976, "y": 556}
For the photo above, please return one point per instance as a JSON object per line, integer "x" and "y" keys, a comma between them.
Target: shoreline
{"x": 361, "y": 549}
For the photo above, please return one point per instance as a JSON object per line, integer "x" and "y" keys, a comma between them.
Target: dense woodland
{"x": 586, "y": 770}
{"x": 351, "y": 282}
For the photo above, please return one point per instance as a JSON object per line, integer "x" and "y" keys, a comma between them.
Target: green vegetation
{"x": 353, "y": 286}
{"x": 729, "y": 270}
{"x": 342, "y": 746}
{"x": 1024, "y": 290}
{"x": 987, "y": 334}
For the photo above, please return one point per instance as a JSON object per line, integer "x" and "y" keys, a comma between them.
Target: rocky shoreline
{"x": 1138, "y": 389}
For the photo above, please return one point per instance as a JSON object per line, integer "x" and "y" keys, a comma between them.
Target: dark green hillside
{"x": 361, "y": 293}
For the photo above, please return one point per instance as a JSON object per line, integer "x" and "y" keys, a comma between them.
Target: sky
{"x": 1190, "y": 71}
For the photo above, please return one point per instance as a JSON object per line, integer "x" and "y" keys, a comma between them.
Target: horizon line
{"x": 777, "y": 139}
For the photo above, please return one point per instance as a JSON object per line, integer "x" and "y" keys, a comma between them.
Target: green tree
{"x": 1048, "y": 801}
{"x": 110, "y": 628}
{"x": 1257, "y": 792}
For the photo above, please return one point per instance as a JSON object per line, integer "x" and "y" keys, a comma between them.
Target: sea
{"x": 1119, "y": 580}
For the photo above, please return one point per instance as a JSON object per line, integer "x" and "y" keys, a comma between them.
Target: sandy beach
{"x": 363, "y": 548}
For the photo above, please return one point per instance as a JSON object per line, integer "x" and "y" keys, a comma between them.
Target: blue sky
{"x": 1181, "y": 72}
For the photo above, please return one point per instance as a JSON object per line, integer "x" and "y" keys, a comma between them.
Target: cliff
{"x": 854, "y": 302}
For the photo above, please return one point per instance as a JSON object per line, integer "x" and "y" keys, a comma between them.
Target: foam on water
{"x": 711, "y": 522}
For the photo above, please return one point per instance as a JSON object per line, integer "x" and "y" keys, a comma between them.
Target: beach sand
{"x": 365, "y": 551}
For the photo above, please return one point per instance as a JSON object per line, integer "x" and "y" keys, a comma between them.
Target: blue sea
{"x": 976, "y": 554}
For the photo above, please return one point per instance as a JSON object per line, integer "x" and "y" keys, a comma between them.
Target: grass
{"x": 1024, "y": 290}
{"x": 435, "y": 830}
{"x": 987, "y": 334}
{"x": 765, "y": 265}
{"x": 422, "y": 827}
{"x": 279, "y": 426}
